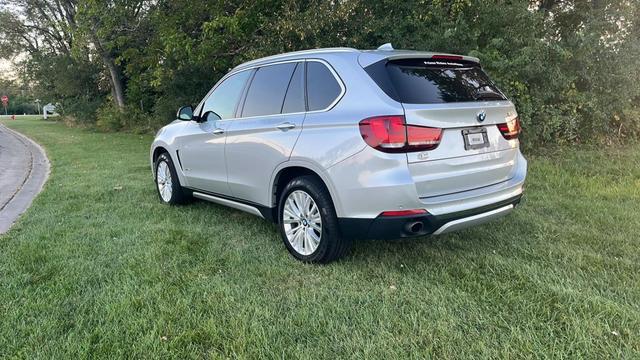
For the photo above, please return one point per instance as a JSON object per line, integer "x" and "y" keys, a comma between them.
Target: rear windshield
{"x": 425, "y": 81}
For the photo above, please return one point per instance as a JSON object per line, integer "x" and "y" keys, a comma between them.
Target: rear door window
{"x": 322, "y": 87}
{"x": 294, "y": 100}
{"x": 267, "y": 90}
{"x": 424, "y": 81}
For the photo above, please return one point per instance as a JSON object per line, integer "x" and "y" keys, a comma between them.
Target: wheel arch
{"x": 287, "y": 171}
{"x": 157, "y": 151}
{"x": 160, "y": 147}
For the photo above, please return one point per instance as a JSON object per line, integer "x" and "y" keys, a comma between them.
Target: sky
{"x": 7, "y": 70}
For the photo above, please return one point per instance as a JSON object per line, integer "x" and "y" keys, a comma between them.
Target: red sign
{"x": 5, "y": 100}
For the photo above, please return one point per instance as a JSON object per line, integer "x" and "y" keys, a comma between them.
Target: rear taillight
{"x": 511, "y": 129}
{"x": 391, "y": 134}
{"x": 385, "y": 133}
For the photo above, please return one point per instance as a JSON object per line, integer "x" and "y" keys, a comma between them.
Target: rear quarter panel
{"x": 329, "y": 137}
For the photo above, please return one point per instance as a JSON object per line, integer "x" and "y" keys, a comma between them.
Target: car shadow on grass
{"x": 500, "y": 236}
{"x": 485, "y": 240}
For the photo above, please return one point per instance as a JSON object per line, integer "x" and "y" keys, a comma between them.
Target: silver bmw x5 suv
{"x": 338, "y": 144}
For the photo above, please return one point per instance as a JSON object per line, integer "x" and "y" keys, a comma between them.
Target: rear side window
{"x": 424, "y": 81}
{"x": 267, "y": 90}
{"x": 224, "y": 99}
{"x": 322, "y": 87}
{"x": 294, "y": 100}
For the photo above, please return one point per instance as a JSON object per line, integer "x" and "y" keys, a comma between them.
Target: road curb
{"x": 39, "y": 171}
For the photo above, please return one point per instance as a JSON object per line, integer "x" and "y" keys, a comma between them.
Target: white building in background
{"x": 48, "y": 109}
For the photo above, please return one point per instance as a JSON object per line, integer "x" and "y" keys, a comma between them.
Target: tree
{"x": 109, "y": 28}
{"x": 76, "y": 29}
{"x": 567, "y": 64}
{"x": 37, "y": 26}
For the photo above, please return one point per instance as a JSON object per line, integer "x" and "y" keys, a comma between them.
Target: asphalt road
{"x": 24, "y": 169}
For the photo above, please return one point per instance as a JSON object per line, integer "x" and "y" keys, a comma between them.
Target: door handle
{"x": 218, "y": 131}
{"x": 286, "y": 126}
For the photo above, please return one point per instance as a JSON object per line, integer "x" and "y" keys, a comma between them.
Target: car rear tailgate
{"x": 453, "y": 167}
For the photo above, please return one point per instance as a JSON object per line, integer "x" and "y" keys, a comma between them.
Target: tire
{"x": 327, "y": 245}
{"x": 167, "y": 183}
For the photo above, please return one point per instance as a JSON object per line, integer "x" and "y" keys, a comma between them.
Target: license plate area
{"x": 475, "y": 138}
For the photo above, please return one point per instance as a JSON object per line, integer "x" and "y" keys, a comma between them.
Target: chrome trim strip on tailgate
{"x": 473, "y": 220}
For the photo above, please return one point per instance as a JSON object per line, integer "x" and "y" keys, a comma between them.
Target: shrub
{"x": 129, "y": 119}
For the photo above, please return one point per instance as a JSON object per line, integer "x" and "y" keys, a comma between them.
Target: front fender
{"x": 166, "y": 139}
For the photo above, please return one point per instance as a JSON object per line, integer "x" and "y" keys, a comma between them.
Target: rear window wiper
{"x": 488, "y": 95}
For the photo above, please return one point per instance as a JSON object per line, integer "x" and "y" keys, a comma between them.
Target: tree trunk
{"x": 117, "y": 87}
{"x": 115, "y": 75}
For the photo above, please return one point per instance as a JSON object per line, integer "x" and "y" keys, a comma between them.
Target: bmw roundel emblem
{"x": 482, "y": 116}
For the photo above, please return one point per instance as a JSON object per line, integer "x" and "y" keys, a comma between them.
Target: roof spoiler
{"x": 367, "y": 58}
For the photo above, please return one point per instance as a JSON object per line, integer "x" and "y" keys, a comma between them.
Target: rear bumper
{"x": 419, "y": 225}
{"x": 372, "y": 182}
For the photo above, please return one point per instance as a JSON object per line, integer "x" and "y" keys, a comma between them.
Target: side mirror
{"x": 185, "y": 113}
{"x": 211, "y": 116}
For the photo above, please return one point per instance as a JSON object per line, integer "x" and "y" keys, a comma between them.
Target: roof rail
{"x": 294, "y": 53}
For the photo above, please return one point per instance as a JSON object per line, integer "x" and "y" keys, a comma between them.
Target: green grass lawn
{"x": 99, "y": 267}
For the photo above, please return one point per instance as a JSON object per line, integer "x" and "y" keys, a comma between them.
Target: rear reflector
{"x": 391, "y": 134}
{"x": 511, "y": 129}
{"x": 404, "y": 212}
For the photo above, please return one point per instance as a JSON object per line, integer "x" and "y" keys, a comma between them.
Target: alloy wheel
{"x": 163, "y": 179}
{"x": 302, "y": 222}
